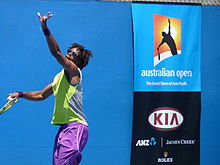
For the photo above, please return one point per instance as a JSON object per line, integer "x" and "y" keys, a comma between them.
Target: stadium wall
{"x": 106, "y": 28}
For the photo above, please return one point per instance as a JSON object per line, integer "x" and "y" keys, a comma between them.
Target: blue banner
{"x": 167, "y": 97}
{"x": 166, "y": 47}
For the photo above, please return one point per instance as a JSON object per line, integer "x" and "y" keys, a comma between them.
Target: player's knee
{"x": 78, "y": 157}
{"x": 75, "y": 158}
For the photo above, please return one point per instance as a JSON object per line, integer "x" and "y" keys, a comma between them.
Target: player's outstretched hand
{"x": 43, "y": 19}
{"x": 14, "y": 95}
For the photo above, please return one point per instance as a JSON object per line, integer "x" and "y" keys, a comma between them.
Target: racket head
{"x": 8, "y": 105}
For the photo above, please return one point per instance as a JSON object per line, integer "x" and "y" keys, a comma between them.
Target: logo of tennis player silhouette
{"x": 168, "y": 39}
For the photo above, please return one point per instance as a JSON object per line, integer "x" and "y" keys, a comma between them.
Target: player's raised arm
{"x": 53, "y": 45}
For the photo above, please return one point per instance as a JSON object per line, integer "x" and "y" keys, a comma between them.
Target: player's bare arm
{"x": 34, "y": 95}
{"x": 55, "y": 49}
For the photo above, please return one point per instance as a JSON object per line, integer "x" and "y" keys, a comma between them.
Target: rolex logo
{"x": 165, "y": 154}
{"x": 165, "y": 159}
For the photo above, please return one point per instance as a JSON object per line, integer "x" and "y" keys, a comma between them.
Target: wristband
{"x": 46, "y": 32}
{"x": 20, "y": 94}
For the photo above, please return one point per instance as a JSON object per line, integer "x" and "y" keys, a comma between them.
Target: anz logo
{"x": 146, "y": 142}
{"x": 165, "y": 119}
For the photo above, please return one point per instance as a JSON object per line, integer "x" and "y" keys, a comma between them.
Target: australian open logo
{"x": 167, "y": 37}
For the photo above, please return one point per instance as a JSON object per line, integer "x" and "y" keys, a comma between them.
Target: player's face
{"x": 72, "y": 53}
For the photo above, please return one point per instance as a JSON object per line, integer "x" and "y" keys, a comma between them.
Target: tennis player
{"x": 67, "y": 88}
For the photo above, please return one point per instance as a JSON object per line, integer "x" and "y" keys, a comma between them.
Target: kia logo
{"x": 165, "y": 118}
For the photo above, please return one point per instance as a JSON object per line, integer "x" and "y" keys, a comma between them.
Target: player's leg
{"x": 69, "y": 143}
{"x": 81, "y": 138}
{"x": 57, "y": 147}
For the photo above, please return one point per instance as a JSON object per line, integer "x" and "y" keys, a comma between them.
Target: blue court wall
{"x": 26, "y": 64}
{"x": 210, "y": 134}
{"x": 104, "y": 27}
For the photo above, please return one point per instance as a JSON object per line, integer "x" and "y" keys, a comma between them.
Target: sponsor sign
{"x": 165, "y": 118}
{"x": 173, "y": 119}
{"x": 167, "y": 98}
{"x": 165, "y": 159}
{"x": 146, "y": 142}
{"x": 166, "y": 47}
{"x": 180, "y": 142}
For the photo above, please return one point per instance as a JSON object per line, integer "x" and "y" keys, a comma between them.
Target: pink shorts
{"x": 69, "y": 143}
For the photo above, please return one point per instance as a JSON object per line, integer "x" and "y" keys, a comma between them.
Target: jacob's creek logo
{"x": 165, "y": 118}
{"x": 181, "y": 142}
{"x": 167, "y": 37}
{"x": 165, "y": 159}
{"x": 146, "y": 142}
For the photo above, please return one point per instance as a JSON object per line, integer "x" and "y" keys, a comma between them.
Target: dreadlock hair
{"x": 84, "y": 54}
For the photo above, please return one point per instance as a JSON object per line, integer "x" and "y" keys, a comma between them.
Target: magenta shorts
{"x": 69, "y": 143}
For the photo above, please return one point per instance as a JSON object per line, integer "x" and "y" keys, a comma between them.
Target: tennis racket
{"x": 10, "y": 102}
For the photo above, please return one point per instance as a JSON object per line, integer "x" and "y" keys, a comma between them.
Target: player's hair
{"x": 84, "y": 54}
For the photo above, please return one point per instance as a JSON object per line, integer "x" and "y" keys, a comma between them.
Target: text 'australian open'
{"x": 163, "y": 72}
